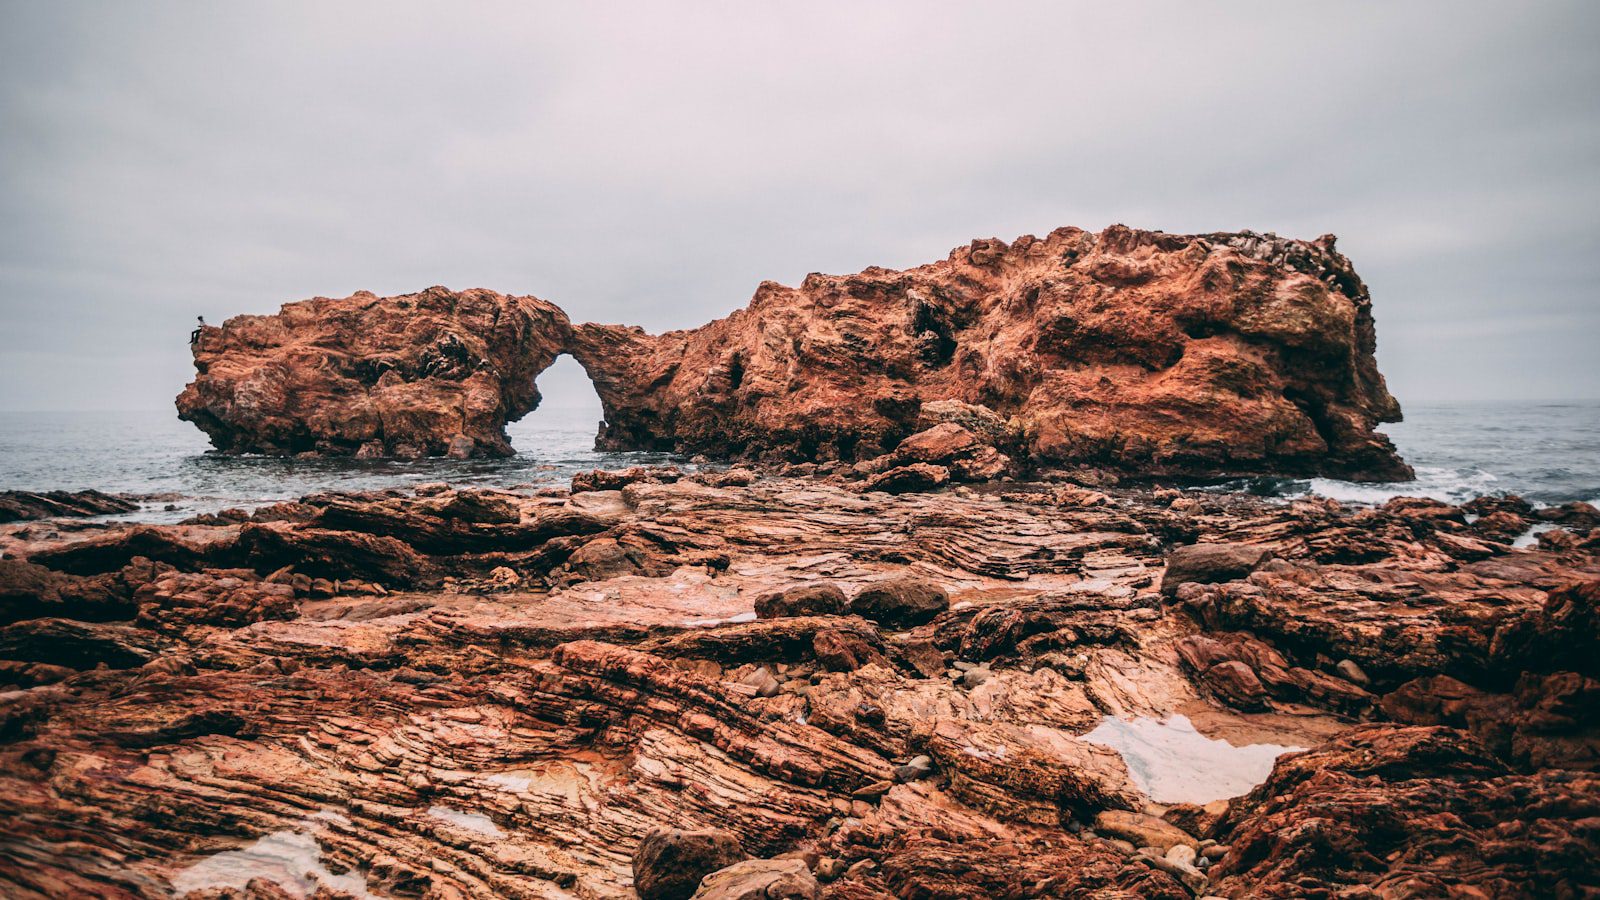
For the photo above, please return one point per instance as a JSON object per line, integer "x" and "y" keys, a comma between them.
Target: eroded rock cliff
{"x": 1136, "y": 350}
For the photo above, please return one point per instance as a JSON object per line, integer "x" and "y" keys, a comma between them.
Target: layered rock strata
{"x": 1135, "y": 350}
{"x": 858, "y": 694}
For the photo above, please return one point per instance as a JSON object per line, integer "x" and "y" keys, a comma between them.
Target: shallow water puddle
{"x": 1173, "y": 763}
{"x": 290, "y": 859}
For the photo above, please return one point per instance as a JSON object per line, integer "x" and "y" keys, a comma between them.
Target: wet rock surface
{"x": 18, "y": 506}
{"x": 967, "y": 693}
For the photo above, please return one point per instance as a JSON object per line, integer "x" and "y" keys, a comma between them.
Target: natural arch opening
{"x": 568, "y": 414}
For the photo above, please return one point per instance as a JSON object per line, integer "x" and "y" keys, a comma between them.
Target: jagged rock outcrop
{"x": 1154, "y": 352}
{"x": 1411, "y": 812}
{"x": 430, "y": 374}
{"x": 17, "y": 506}
{"x": 1134, "y": 350}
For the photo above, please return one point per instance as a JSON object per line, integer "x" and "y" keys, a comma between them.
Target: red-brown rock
{"x": 1136, "y": 350}
{"x": 670, "y": 863}
{"x": 1410, "y": 812}
{"x": 436, "y": 373}
{"x": 1194, "y": 354}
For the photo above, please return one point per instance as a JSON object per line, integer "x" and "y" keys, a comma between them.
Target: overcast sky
{"x": 651, "y": 163}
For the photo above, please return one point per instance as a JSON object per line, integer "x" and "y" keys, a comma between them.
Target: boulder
{"x": 823, "y": 599}
{"x": 844, "y": 651}
{"x": 1210, "y": 564}
{"x": 908, "y": 479}
{"x": 901, "y": 602}
{"x": 670, "y": 863}
{"x": 1141, "y": 829}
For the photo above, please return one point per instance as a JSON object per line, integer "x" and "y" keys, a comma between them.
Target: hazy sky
{"x": 651, "y": 163}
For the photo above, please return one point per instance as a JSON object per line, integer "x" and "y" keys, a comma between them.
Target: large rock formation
{"x": 1144, "y": 351}
{"x": 1161, "y": 353}
{"x": 430, "y": 374}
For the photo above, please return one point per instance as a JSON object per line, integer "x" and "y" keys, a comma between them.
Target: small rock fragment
{"x": 919, "y": 767}
{"x": 1351, "y": 672}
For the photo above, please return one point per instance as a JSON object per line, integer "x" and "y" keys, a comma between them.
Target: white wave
{"x": 1448, "y": 485}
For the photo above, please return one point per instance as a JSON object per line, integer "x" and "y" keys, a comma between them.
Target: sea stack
{"x": 437, "y": 373}
{"x": 1137, "y": 351}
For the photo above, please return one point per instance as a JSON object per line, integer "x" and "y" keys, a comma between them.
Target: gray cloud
{"x": 651, "y": 163}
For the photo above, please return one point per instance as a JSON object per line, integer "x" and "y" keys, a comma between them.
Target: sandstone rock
{"x": 439, "y": 372}
{"x": 1195, "y": 819}
{"x": 802, "y": 600}
{"x": 670, "y": 863}
{"x": 1386, "y": 806}
{"x": 1144, "y": 351}
{"x": 900, "y": 601}
{"x": 1141, "y": 829}
{"x": 908, "y": 478}
{"x": 1562, "y": 634}
{"x": 1135, "y": 349}
{"x": 248, "y": 681}
{"x": 844, "y": 651}
{"x": 1236, "y": 684}
{"x": 1576, "y": 513}
{"x": 982, "y": 421}
{"x": 949, "y": 446}
{"x": 921, "y": 657}
{"x": 481, "y": 508}
{"x": 761, "y": 879}
{"x": 1209, "y": 563}
{"x": 928, "y": 866}
{"x": 762, "y": 681}
{"x": 32, "y": 591}
{"x": 78, "y": 645}
{"x": 607, "y": 480}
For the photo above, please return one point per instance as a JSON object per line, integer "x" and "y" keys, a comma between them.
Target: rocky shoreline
{"x": 796, "y": 683}
{"x": 926, "y": 637}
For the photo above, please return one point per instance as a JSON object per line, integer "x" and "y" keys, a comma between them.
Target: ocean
{"x": 1548, "y": 453}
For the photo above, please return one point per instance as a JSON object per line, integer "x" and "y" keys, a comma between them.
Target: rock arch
{"x": 1155, "y": 353}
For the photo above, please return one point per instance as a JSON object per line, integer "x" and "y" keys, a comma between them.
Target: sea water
{"x": 154, "y": 454}
{"x": 1548, "y": 453}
